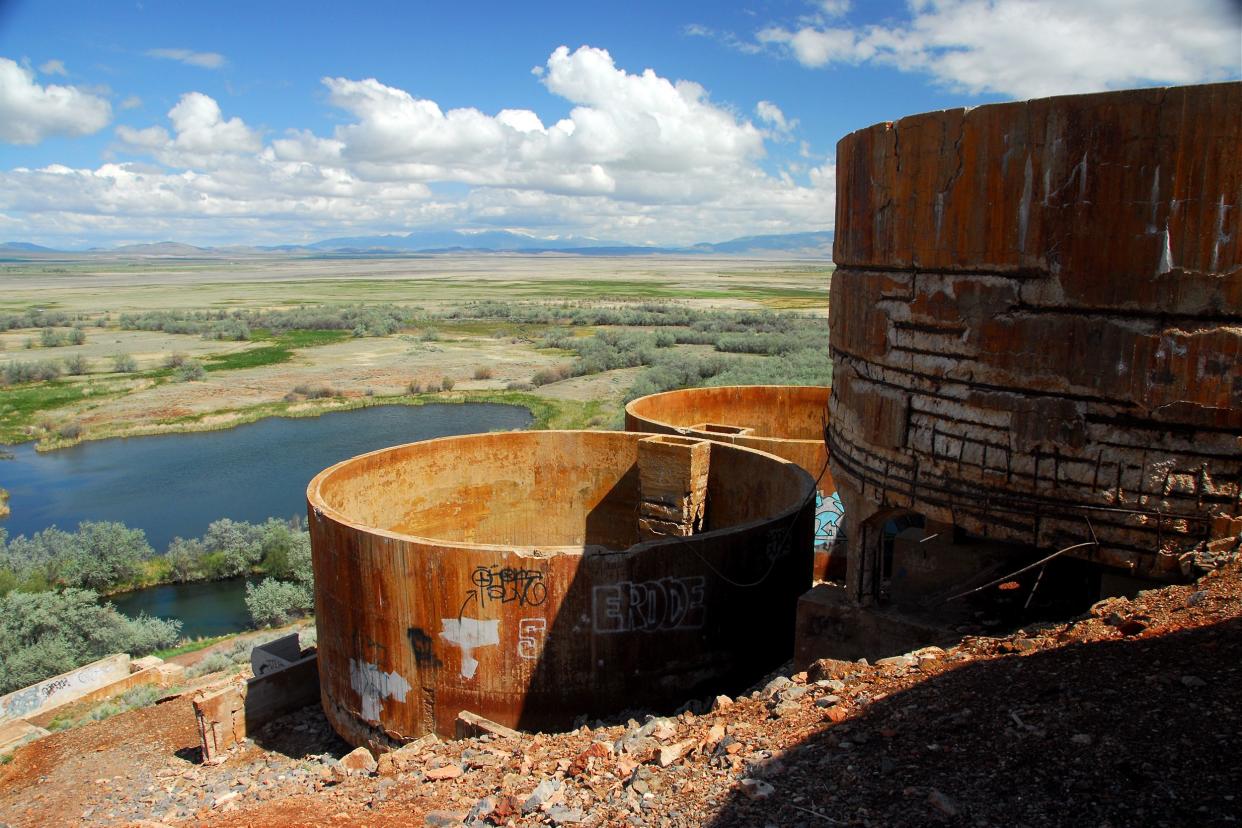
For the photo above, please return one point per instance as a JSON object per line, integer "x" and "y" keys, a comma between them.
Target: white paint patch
{"x": 1166, "y": 255}
{"x": 373, "y": 685}
{"x": 470, "y": 634}
{"x": 1222, "y": 237}
{"x": 1024, "y": 209}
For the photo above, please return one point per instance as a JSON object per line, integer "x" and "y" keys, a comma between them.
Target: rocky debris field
{"x": 1128, "y": 715}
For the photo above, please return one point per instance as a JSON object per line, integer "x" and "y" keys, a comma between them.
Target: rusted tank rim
{"x": 321, "y": 507}
{"x": 724, "y": 438}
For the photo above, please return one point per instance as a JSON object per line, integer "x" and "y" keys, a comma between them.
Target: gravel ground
{"x": 1129, "y": 715}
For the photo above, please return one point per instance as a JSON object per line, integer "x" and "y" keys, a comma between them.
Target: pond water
{"x": 207, "y": 608}
{"x": 176, "y": 484}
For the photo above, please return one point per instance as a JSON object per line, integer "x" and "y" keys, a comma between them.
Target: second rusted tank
{"x": 786, "y": 420}
{"x": 534, "y": 577}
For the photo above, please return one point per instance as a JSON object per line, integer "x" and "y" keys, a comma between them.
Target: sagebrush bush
{"x": 191, "y": 371}
{"x": 43, "y": 634}
{"x": 124, "y": 364}
{"x": 76, "y": 365}
{"x": 273, "y": 603}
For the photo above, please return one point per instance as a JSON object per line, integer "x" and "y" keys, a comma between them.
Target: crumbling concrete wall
{"x": 1036, "y": 324}
{"x": 65, "y": 688}
{"x": 672, "y": 486}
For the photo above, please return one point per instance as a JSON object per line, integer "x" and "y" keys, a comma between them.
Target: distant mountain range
{"x": 815, "y": 245}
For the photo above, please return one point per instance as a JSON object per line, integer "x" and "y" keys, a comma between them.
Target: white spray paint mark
{"x": 373, "y": 685}
{"x": 470, "y": 634}
{"x": 1166, "y": 255}
{"x": 1221, "y": 236}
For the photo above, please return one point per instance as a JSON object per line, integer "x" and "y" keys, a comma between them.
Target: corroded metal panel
{"x": 1037, "y": 322}
{"x": 414, "y": 628}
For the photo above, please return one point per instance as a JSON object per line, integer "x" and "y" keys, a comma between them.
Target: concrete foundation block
{"x": 225, "y": 717}
{"x": 145, "y": 663}
{"x": 17, "y": 733}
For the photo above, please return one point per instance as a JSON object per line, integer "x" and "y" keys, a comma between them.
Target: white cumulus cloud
{"x": 54, "y": 67}
{"x": 30, "y": 112}
{"x": 638, "y": 158}
{"x": 772, "y": 115}
{"x": 205, "y": 60}
{"x": 1032, "y": 48}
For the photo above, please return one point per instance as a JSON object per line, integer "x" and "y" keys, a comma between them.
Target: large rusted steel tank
{"x": 533, "y": 577}
{"x": 1036, "y": 327}
{"x": 789, "y": 421}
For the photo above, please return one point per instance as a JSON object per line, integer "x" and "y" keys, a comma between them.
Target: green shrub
{"x": 446, "y": 383}
{"x": 43, "y": 634}
{"x": 15, "y": 373}
{"x": 124, "y": 364}
{"x": 76, "y": 365}
{"x": 51, "y": 338}
{"x": 191, "y": 371}
{"x": 273, "y": 603}
{"x": 233, "y": 547}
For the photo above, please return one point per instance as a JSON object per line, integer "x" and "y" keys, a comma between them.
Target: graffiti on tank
{"x": 506, "y": 585}
{"x": 828, "y": 514}
{"x": 663, "y": 605}
{"x": 373, "y": 685}
{"x": 470, "y": 634}
{"x": 421, "y": 644}
{"x": 531, "y": 632}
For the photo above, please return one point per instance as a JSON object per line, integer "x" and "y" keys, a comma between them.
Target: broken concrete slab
{"x": 225, "y": 717}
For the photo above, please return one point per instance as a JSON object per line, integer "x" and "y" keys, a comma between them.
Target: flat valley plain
{"x": 486, "y": 357}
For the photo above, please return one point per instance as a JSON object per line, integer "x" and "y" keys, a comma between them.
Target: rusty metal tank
{"x": 786, "y": 420}
{"x": 516, "y": 575}
{"x": 1036, "y": 328}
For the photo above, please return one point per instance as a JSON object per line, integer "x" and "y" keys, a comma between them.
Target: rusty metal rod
{"x": 1016, "y": 573}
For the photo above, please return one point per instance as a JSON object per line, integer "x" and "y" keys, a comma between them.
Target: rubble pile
{"x": 1126, "y": 715}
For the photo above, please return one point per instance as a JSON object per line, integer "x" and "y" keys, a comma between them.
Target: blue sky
{"x": 270, "y": 122}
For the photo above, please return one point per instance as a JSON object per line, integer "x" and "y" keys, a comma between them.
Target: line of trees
{"x": 43, "y": 634}
{"x": 363, "y": 320}
{"x": 52, "y": 616}
{"x": 107, "y": 556}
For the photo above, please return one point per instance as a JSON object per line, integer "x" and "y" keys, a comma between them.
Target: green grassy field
{"x": 486, "y": 359}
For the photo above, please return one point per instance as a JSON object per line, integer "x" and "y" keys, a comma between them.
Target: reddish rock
{"x": 442, "y": 773}
{"x": 359, "y": 760}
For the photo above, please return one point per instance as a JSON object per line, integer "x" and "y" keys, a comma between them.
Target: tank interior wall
{"x": 1036, "y": 326}
{"x": 413, "y": 630}
{"x": 510, "y": 490}
{"x": 784, "y": 412}
{"x": 787, "y": 421}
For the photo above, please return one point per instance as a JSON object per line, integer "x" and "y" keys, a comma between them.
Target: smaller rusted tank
{"x": 786, "y": 420}
{"x": 534, "y": 577}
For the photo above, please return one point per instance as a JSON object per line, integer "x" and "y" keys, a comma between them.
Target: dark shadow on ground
{"x": 1130, "y": 732}
{"x": 301, "y": 734}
